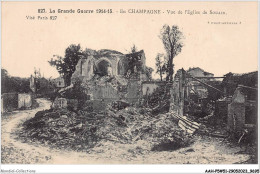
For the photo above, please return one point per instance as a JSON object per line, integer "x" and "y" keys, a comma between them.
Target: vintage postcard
{"x": 130, "y": 83}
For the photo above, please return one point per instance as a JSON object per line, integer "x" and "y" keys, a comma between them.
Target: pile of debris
{"x": 62, "y": 129}
{"x": 83, "y": 130}
{"x": 114, "y": 81}
{"x": 159, "y": 100}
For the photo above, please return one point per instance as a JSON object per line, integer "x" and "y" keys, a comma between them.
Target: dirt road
{"x": 206, "y": 150}
{"x": 17, "y": 152}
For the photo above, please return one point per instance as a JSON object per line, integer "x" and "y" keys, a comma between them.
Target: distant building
{"x": 195, "y": 87}
{"x": 198, "y": 72}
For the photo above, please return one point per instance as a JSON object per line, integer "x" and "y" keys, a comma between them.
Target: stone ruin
{"x": 111, "y": 63}
{"x": 108, "y": 75}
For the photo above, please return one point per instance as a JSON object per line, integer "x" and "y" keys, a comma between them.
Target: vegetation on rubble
{"x": 159, "y": 100}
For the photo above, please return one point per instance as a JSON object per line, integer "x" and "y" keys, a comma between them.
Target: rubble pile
{"x": 159, "y": 100}
{"x": 62, "y": 129}
{"x": 83, "y": 130}
{"x": 114, "y": 81}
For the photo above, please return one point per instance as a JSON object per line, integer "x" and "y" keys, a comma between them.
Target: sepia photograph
{"x": 129, "y": 83}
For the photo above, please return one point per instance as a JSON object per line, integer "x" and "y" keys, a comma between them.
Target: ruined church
{"x": 109, "y": 75}
{"x": 111, "y": 63}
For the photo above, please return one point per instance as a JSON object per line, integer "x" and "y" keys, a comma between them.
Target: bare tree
{"x": 159, "y": 65}
{"x": 172, "y": 41}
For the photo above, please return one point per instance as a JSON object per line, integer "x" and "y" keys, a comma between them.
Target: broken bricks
{"x": 84, "y": 130}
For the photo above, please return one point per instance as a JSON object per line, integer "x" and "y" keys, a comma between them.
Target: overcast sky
{"x": 216, "y": 48}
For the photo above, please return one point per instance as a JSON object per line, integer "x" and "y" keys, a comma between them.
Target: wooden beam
{"x": 208, "y": 77}
{"x": 242, "y": 86}
{"x": 205, "y": 83}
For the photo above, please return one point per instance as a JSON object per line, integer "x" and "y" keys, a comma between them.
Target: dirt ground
{"x": 205, "y": 150}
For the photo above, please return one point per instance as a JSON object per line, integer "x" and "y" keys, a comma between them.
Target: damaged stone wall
{"x": 103, "y": 95}
{"x": 108, "y": 75}
{"x": 236, "y": 111}
{"x": 136, "y": 62}
{"x": 242, "y": 112}
{"x": 104, "y": 92}
{"x": 84, "y": 69}
{"x": 133, "y": 91}
{"x": 24, "y": 101}
{"x": 178, "y": 93}
{"x": 60, "y": 103}
{"x": 148, "y": 87}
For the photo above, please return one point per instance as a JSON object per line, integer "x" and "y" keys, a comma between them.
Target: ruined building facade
{"x": 111, "y": 63}
{"x": 109, "y": 75}
{"x": 190, "y": 91}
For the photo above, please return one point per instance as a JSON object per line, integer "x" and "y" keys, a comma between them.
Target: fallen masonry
{"x": 82, "y": 131}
